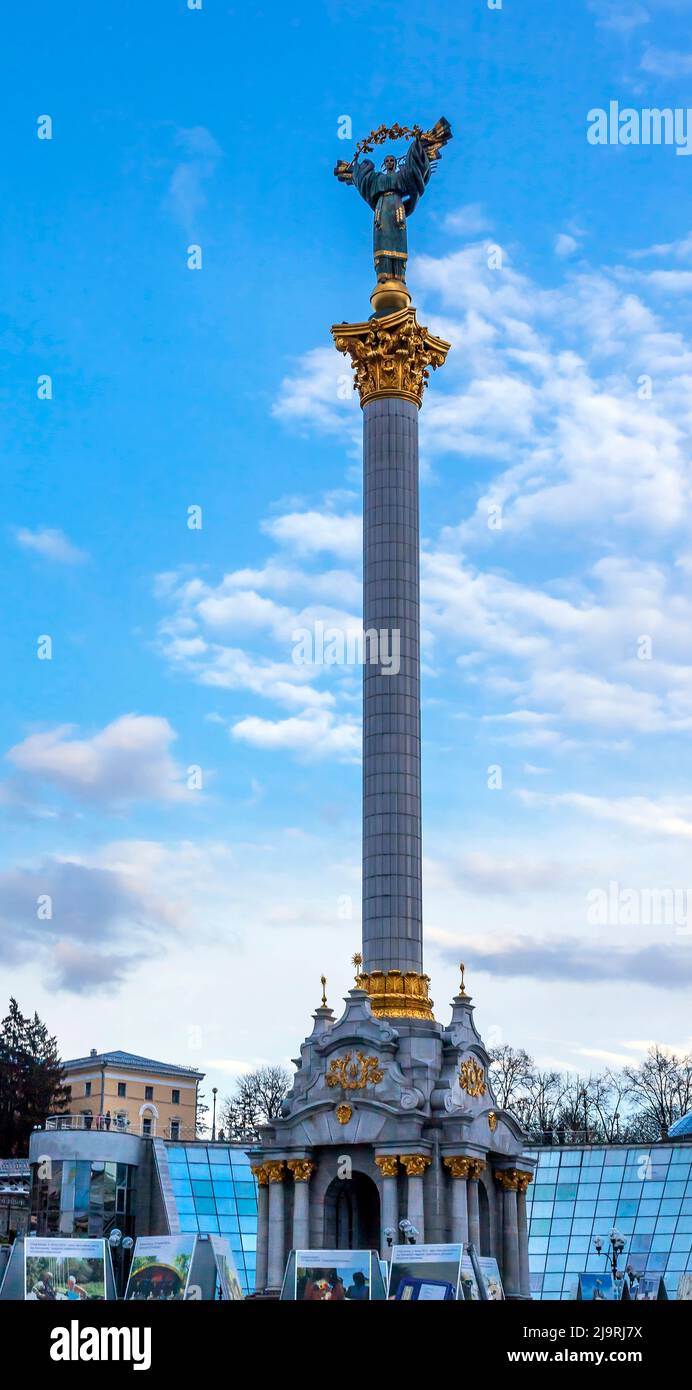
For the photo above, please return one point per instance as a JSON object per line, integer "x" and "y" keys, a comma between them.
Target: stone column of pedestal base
{"x": 276, "y": 1256}
{"x": 522, "y": 1221}
{"x": 302, "y": 1170}
{"x": 459, "y": 1223}
{"x": 476, "y": 1166}
{"x": 508, "y": 1181}
{"x": 415, "y": 1166}
{"x": 388, "y": 1165}
{"x": 262, "y": 1227}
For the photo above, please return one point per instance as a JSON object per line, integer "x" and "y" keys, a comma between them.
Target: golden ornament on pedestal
{"x": 354, "y": 1075}
{"x": 472, "y": 1077}
{"x": 394, "y": 994}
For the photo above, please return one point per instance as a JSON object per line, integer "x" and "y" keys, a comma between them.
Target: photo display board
{"x": 333, "y": 1276}
{"x": 58, "y": 1270}
{"x": 160, "y": 1268}
{"x": 428, "y": 1273}
{"x": 596, "y": 1288}
{"x": 490, "y": 1274}
{"x": 230, "y": 1289}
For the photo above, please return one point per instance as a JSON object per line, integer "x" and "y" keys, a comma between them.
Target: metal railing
{"x": 116, "y": 1124}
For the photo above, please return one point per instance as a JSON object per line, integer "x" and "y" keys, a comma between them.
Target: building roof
{"x": 132, "y": 1061}
{"x": 682, "y": 1129}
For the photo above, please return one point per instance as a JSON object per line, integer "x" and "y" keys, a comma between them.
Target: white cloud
{"x": 51, "y": 544}
{"x": 312, "y": 532}
{"x": 186, "y": 195}
{"x": 470, "y": 220}
{"x": 124, "y": 762}
{"x": 660, "y": 62}
{"x": 565, "y": 245}
{"x": 313, "y": 735}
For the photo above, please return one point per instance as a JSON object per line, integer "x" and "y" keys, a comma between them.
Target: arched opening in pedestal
{"x": 352, "y": 1214}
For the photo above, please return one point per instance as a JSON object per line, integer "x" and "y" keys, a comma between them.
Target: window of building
{"x": 148, "y": 1092}
{"x": 175, "y": 1097}
{"x": 146, "y": 1126}
{"x": 175, "y": 1129}
{"x": 122, "y": 1089}
{"x": 87, "y": 1088}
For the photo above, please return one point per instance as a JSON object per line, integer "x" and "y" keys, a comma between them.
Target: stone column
{"x": 508, "y": 1181}
{"x": 459, "y": 1169}
{"x": 391, "y": 355}
{"x": 523, "y": 1225}
{"x": 276, "y": 1255}
{"x": 388, "y": 1165}
{"x": 302, "y": 1170}
{"x": 392, "y": 892}
{"x": 260, "y": 1174}
{"x": 476, "y": 1166}
{"x": 415, "y": 1166}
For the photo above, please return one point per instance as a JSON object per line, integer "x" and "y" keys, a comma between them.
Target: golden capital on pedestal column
{"x": 388, "y": 1165}
{"x": 523, "y": 1180}
{"x": 458, "y": 1166}
{"x": 275, "y": 1170}
{"x": 476, "y": 1166}
{"x": 260, "y": 1173}
{"x": 301, "y": 1168}
{"x": 415, "y": 1164}
{"x": 391, "y": 356}
{"x": 508, "y": 1178}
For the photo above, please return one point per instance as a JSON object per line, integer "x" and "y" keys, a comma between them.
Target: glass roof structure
{"x": 214, "y": 1191}
{"x": 580, "y": 1193}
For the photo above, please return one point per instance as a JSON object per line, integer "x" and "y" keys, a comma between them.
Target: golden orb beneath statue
{"x": 390, "y": 295}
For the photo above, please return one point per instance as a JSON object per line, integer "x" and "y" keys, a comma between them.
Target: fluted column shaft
{"x": 392, "y": 890}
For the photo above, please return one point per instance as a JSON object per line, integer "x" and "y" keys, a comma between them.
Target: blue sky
{"x": 194, "y": 922}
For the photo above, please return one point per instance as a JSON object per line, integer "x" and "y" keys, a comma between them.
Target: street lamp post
{"x": 617, "y": 1245}
{"x": 214, "y": 1091}
{"x": 119, "y": 1244}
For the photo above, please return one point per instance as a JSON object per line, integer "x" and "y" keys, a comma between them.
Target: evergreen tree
{"x": 30, "y": 1079}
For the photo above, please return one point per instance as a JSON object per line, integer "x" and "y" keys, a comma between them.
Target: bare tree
{"x": 255, "y": 1100}
{"x": 538, "y": 1108}
{"x": 661, "y": 1086}
{"x": 510, "y": 1068}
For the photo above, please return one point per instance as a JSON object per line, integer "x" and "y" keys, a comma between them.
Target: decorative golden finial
{"x": 357, "y": 960}
{"x": 323, "y": 982}
{"x": 462, "y": 990}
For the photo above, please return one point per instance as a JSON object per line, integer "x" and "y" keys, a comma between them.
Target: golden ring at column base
{"x": 395, "y": 994}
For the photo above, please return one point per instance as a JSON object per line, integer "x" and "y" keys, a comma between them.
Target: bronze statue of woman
{"x": 393, "y": 193}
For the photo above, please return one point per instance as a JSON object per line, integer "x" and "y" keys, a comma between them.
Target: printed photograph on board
{"x": 333, "y": 1276}
{"x": 428, "y": 1273}
{"x": 70, "y": 1270}
{"x": 160, "y": 1269}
